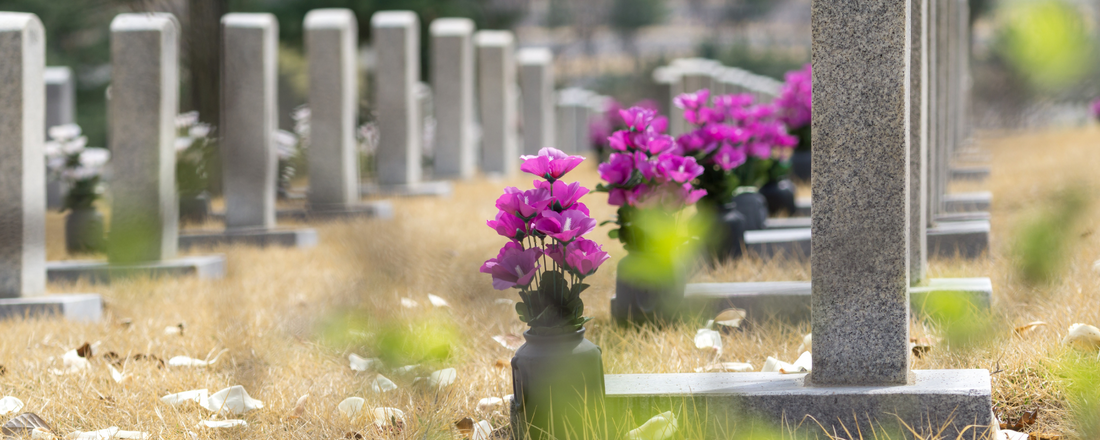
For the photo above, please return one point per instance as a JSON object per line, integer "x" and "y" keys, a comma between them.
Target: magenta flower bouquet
{"x": 602, "y": 126}
{"x": 1096, "y": 109}
{"x": 794, "y": 105}
{"x": 547, "y": 257}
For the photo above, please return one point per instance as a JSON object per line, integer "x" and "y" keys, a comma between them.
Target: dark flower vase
{"x": 558, "y": 387}
{"x": 800, "y": 165}
{"x": 780, "y": 196}
{"x": 728, "y": 239}
{"x": 754, "y": 207}
{"x": 637, "y": 302}
{"x": 84, "y": 231}
{"x": 194, "y": 208}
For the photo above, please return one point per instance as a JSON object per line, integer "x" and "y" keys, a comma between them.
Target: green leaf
{"x": 521, "y": 309}
{"x": 614, "y": 233}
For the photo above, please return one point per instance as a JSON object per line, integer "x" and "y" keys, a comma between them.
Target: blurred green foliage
{"x": 663, "y": 245}
{"x": 1047, "y": 41}
{"x": 1080, "y": 379}
{"x": 963, "y": 324}
{"x": 1046, "y": 240}
{"x": 428, "y": 339}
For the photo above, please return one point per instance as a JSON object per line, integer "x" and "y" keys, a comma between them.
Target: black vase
{"x": 780, "y": 197}
{"x": 558, "y": 387}
{"x": 800, "y": 165}
{"x": 638, "y": 301}
{"x": 84, "y": 231}
{"x": 728, "y": 237}
{"x": 194, "y": 208}
{"x": 754, "y": 207}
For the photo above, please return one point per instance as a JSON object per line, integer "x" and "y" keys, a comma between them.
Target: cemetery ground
{"x": 288, "y": 319}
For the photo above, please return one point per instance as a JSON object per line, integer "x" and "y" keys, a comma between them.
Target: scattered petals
{"x": 709, "y": 340}
{"x": 108, "y": 434}
{"x": 24, "y": 423}
{"x": 807, "y": 343}
{"x": 388, "y": 418}
{"x": 482, "y": 430}
{"x": 361, "y": 364}
{"x": 222, "y": 424}
{"x": 174, "y": 329}
{"x": 442, "y": 378}
{"x": 234, "y": 400}
{"x": 351, "y": 406}
{"x": 730, "y": 318}
{"x": 511, "y": 342}
{"x": 437, "y": 301}
{"x": 299, "y": 407}
{"x": 381, "y": 384}
{"x": 1028, "y": 328}
{"x": 733, "y": 367}
{"x": 489, "y": 404}
{"x": 118, "y": 377}
{"x": 802, "y": 365}
{"x": 1083, "y": 337}
{"x": 409, "y": 303}
{"x": 74, "y": 363}
{"x": 10, "y": 405}
{"x": 661, "y": 427}
{"x": 406, "y": 370}
{"x": 184, "y": 361}
{"x": 197, "y": 396}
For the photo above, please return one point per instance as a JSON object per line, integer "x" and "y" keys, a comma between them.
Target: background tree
{"x": 629, "y": 16}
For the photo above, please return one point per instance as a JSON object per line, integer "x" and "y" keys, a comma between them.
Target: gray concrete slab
{"x": 439, "y": 188}
{"x": 955, "y": 217}
{"x": 970, "y": 173}
{"x": 73, "y": 307}
{"x": 202, "y": 266}
{"x": 967, "y": 239}
{"x": 779, "y": 243}
{"x": 953, "y": 399}
{"x": 787, "y": 223}
{"x": 285, "y": 237}
{"x": 968, "y": 202}
{"x": 381, "y": 209}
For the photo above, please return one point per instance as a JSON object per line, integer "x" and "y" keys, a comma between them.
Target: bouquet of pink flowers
{"x": 548, "y": 257}
{"x": 794, "y": 105}
{"x": 601, "y": 126}
{"x": 1096, "y": 109}
{"x": 646, "y": 170}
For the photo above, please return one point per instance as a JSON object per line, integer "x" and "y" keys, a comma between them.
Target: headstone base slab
{"x": 787, "y": 223}
{"x": 802, "y": 207}
{"x": 969, "y": 174}
{"x": 966, "y": 239}
{"x": 779, "y": 243}
{"x": 72, "y": 307}
{"x": 955, "y": 217}
{"x": 434, "y": 188}
{"x": 285, "y": 237}
{"x": 381, "y": 209}
{"x": 202, "y": 266}
{"x": 953, "y": 400}
{"x": 967, "y": 202}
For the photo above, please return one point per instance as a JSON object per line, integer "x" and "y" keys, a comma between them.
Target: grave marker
{"x": 396, "y": 37}
{"x": 60, "y": 110}
{"x": 536, "y": 79}
{"x": 573, "y": 108}
{"x": 453, "y": 84}
{"x": 332, "y": 37}
{"x": 497, "y": 100}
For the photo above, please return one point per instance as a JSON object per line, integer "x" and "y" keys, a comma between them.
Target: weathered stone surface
{"x": 396, "y": 36}
{"x": 332, "y": 37}
{"x": 22, "y": 164}
{"x": 496, "y": 69}
{"x": 203, "y": 267}
{"x": 453, "y": 84}
{"x": 143, "y": 107}
{"x": 536, "y": 80}
{"x": 861, "y": 192}
{"x": 918, "y": 141}
{"x": 249, "y": 119}
{"x": 573, "y": 109}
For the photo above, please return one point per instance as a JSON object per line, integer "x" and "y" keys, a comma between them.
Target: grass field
{"x": 289, "y": 318}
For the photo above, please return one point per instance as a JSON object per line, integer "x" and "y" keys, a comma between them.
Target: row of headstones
{"x": 686, "y": 75}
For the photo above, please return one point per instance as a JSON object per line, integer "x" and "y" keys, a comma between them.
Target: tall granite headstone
{"x": 536, "y": 78}
{"x": 496, "y": 70}
{"x": 918, "y": 142}
{"x": 573, "y": 107}
{"x": 396, "y": 36}
{"x": 332, "y": 37}
{"x": 453, "y": 84}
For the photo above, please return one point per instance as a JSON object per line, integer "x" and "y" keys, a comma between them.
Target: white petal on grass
{"x": 731, "y": 318}
{"x": 1083, "y": 336}
{"x": 803, "y": 364}
{"x": 489, "y": 404}
{"x": 222, "y": 424}
{"x": 233, "y": 400}
{"x": 508, "y": 399}
{"x": 73, "y": 362}
{"x": 10, "y": 405}
{"x": 773, "y": 365}
{"x": 482, "y": 430}
{"x": 299, "y": 407}
{"x": 350, "y": 406}
{"x": 408, "y": 369}
{"x": 118, "y": 377}
{"x": 108, "y": 434}
{"x": 361, "y": 364}
{"x": 442, "y": 378}
{"x": 387, "y": 416}
{"x": 41, "y": 433}
{"x": 381, "y": 384}
{"x": 184, "y": 361}
{"x": 173, "y": 330}
{"x": 734, "y": 367}
{"x": 661, "y": 427}
{"x": 197, "y": 396}
{"x": 437, "y": 301}
{"x": 409, "y": 303}
{"x": 710, "y": 340}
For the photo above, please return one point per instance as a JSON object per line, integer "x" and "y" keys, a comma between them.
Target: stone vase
{"x": 754, "y": 207}
{"x": 84, "y": 231}
{"x": 728, "y": 234}
{"x": 800, "y": 165}
{"x": 636, "y": 301}
{"x": 194, "y": 207}
{"x": 558, "y": 387}
{"x": 780, "y": 196}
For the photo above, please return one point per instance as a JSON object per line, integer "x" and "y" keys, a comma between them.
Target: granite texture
{"x": 918, "y": 142}
{"x": 72, "y": 307}
{"x": 536, "y": 83}
{"x": 332, "y": 39}
{"x": 496, "y": 70}
{"x": 396, "y": 36}
{"x": 966, "y": 239}
{"x": 860, "y": 180}
{"x": 967, "y": 202}
{"x": 22, "y": 162}
{"x": 952, "y": 399}
{"x": 203, "y": 267}
{"x": 452, "y": 52}
{"x": 249, "y": 119}
{"x": 60, "y": 110}
{"x": 284, "y": 237}
{"x": 572, "y": 119}
{"x": 143, "y": 106}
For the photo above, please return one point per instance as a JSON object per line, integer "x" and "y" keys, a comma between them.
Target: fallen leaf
{"x": 482, "y": 430}
{"x": 197, "y": 396}
{"x": 174, "y": 329}
{"x": 361, "y": 364}
{"x": 511, "y": 342}
{"x": 84, "y": 351}
{"x": 437, "y": 301}
{"x": 353, "y": 435}
{"x": 118, "y": 377}
{"x": 1027, "y": 328}
{"x": 351, "y": 406}
{"x": 409, "y": 303}
{"x": 23, "y": 424}
{"x": 1083, "y": 337}
{"x": 388, "y": 419}
{"x": 807, "y": 343}
{"x": 299, "y": 407}
{"x": 501, "y": 364}
{"x": 442, "y": 378}
{"x": 222, "y": 424}
{"x": 184, "y": 361}
{"x": 144, "y": 357}
{"x": 735, "y": 367}
{"x": 709, "y": 340}
{"x": 381, "y": 384}
{"x": 919, "y": 350}
{"x": 113, "y": 358}
{"x": 234, "y": 400}
{"x": 10, "y": 405}
{"x": 465, "y": 426}
{"x": 730, "y": 318}
{"x": 3, "y": 370}
{"x": 661, "y": 427}
{"x": 489, "y": 404}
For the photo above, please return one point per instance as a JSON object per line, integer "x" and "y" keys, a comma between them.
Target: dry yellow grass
{"x": 281, "y": 314}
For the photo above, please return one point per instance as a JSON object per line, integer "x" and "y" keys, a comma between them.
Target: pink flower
{"x": 509, "y": 225}
{"x": 679, "y": 169}
{"x": 565, "y": 196}
{"x": 618, "y": 169}
{"x": 654, "y": 143}
{"x": 524, "y": 204}
{"x": 623, "y": 196}
{"x": 550, "y": 164}
{"x": 689, "y": 195}
{"x": 584, "y": 256}
{"x": 566, "y": 225}
{"x": 637, "y": 118}
{"x": 728, "y": 157}
{"x": 759, "y": 150}
{"x": 513, "y": 267}
{"x": 692, "y": 103}
{"x": 620, "y": 140}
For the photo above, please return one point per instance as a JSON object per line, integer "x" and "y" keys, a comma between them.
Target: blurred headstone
{"x": 453, "y": 84}
{"x": 496, "y": 70}
{"x": 536, "y": 78}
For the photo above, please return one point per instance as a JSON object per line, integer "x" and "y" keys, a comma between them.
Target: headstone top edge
{"x": 534, "y": 55}
{"x": 249, "y": 20}
{"x": 58, "y": 74}
{"x": 666, "y": 74}
{"x": 575, "y": 96}
{"x": 156, "y": 21}
{"x": 17, "y": 21}
{"x": 493, "y": 38}
{"x": 402, "y": 19}
{"x": 451, "y": 26}
{"x": 329, "y": 18}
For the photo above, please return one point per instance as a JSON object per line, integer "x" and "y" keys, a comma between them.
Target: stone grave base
{"x": 381, "y": 209}
{"x": 957, "y": 401}
{"x": 73, "y": 307}
{"x": 285, "y": 237}
{"x": 967, "y": 202}
{"x": 954, "y": 217}
{"x": 779, "y": 243}
{"x": 788, "y": 223}
{"x": 439, "y": 188}
{"x": 202, "y": 266}
{"x": 966, "y": 239}
{"x": 802, "y": 207}
{"x": 970, "y": 173}
{"x": 790, "y": 300}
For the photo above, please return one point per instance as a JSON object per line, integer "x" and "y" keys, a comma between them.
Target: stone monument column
{"x": 497, "y": 100}
{"x": 332, "y": 40}
{"x": 396, "y": 37}
{"x": 453, "y": 85}
{"x": 536, "y": 79}
{"x": 918, "y": 142}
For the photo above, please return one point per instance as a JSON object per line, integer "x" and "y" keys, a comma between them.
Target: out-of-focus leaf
{"x": 465, "y": 426}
